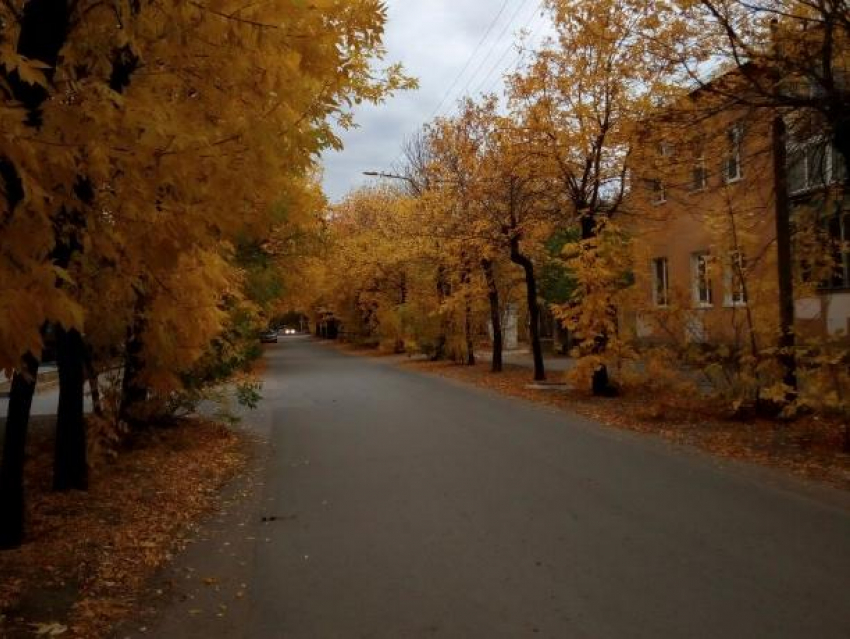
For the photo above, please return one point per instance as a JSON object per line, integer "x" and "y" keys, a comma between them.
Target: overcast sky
{"x": 454, "y": 47}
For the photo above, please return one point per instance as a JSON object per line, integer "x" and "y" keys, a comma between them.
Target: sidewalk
{"x": 46, "y": 397}
{"x": 47, "y": 374}
{"x": 522, "y": 357}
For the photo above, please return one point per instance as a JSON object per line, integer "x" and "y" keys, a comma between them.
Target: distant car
{"x": 290, "y": 331}
{"x": 268, "y": 337}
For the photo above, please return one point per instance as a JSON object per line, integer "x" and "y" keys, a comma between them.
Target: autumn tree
{"x": 179, "y": 123}
{"x": 419, "y": 180}
{"x": 453, "y": 205}
{"x": 580, "y": 101}
{"x": 512, "y": 217}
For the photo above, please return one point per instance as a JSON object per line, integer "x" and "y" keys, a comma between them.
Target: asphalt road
{"x": 400, "y": 505}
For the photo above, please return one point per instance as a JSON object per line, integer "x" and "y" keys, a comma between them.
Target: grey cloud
{"x": 434, "y": 39}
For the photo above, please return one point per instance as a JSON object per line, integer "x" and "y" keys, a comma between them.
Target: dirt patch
{"x": 808, "y": 447}
{"x": 88, "y": 555}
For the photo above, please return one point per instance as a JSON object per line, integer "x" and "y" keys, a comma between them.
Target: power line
{"x": 517, "y": 60}
{"x": 471, "y": 58}
{"x": 466, "y": 66}
{"x": 493, "y": 47}
{"x": 507, "y": 26}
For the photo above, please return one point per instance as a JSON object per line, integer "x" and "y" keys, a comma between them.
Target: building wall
{"x": 724, "y": 216}
{"x": 679, "y": 221}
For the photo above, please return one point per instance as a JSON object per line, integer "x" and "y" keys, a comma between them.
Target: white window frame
{"x": 801, "y": 151}
{"x": 701, "y": 271}
{"x": 665, "y": 281}
{"x": 730, "y": 274}
{"x": 735, "y": 134}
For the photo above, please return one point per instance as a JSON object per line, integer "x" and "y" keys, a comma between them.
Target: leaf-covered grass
{"x": 88, "y": 555}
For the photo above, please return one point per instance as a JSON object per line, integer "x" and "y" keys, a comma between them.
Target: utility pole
{"x": 784, "y": 263}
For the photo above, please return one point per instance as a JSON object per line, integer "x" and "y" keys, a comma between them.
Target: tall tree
{"x": 184, "y": 125}
{"x": 579, "y": 101}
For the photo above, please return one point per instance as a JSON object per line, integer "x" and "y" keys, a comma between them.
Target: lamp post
{"x": 389, "y": 176}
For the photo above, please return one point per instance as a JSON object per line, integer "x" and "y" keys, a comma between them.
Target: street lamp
{"x": 389, "y": 176}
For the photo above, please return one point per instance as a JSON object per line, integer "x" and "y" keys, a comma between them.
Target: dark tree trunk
{"x": 467, "y": 329}
{"x": 442, "y": 294}
{"x": 91, "y": 378}
{"x": 14, "y": 453}
{"x": 784, "y": 262}
{"x": 517, "y": 257}
{"x": 70, "y": 465}
{"x": 133, "y": 392}
{"x": 600, "y": 383}
{"x": 495, "y": 314}
{"x": 43, "y": 31}
{"x": 465, "y": 277}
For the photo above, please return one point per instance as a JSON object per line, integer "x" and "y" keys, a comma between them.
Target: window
{"x": 813, "y": 164}
{"x": 660, "y": 284}
{"x": 699, "y": 176}
{"x": 732, "y": 169}
{"x": 838, "y": 227}
{"x": 659, "y": 192}
{"x": 733, "y": 277}
{"x": 701, "y": 279}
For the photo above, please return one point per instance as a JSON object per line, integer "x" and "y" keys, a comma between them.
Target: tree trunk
{"x": 133, "y": 393}
{"x": 517, "y": 257}
{"x": 94, "y": 388}
{"x": 784, "y": 262}
{"x": 467, "y": 315}
{"x": 399, "y": 346}
{"x": 70, "y": 466}
{"x": 14, "y": 453}
{"x": 467, "y": 329}
{"x": 43, "y": 29}
{"x": 495, "y": 314}
{"x": 442, "y": 294}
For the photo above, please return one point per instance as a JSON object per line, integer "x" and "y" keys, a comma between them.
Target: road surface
{"x": 401, "y": 505}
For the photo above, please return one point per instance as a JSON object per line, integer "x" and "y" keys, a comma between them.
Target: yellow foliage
{"x": 152, "y": 176}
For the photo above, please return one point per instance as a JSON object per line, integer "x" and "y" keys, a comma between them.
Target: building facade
{"x": 702, "y": 212}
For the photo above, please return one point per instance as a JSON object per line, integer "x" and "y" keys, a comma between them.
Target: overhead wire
{"x": 475, "y": 76}
{"x": 471, "y": 58}
{"x": 463, "y": 70}
{"x": 484, "y": 60}
{"x": 515, "y": 61}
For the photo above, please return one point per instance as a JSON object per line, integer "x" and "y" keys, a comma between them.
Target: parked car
{"x": 268, "y": 337}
